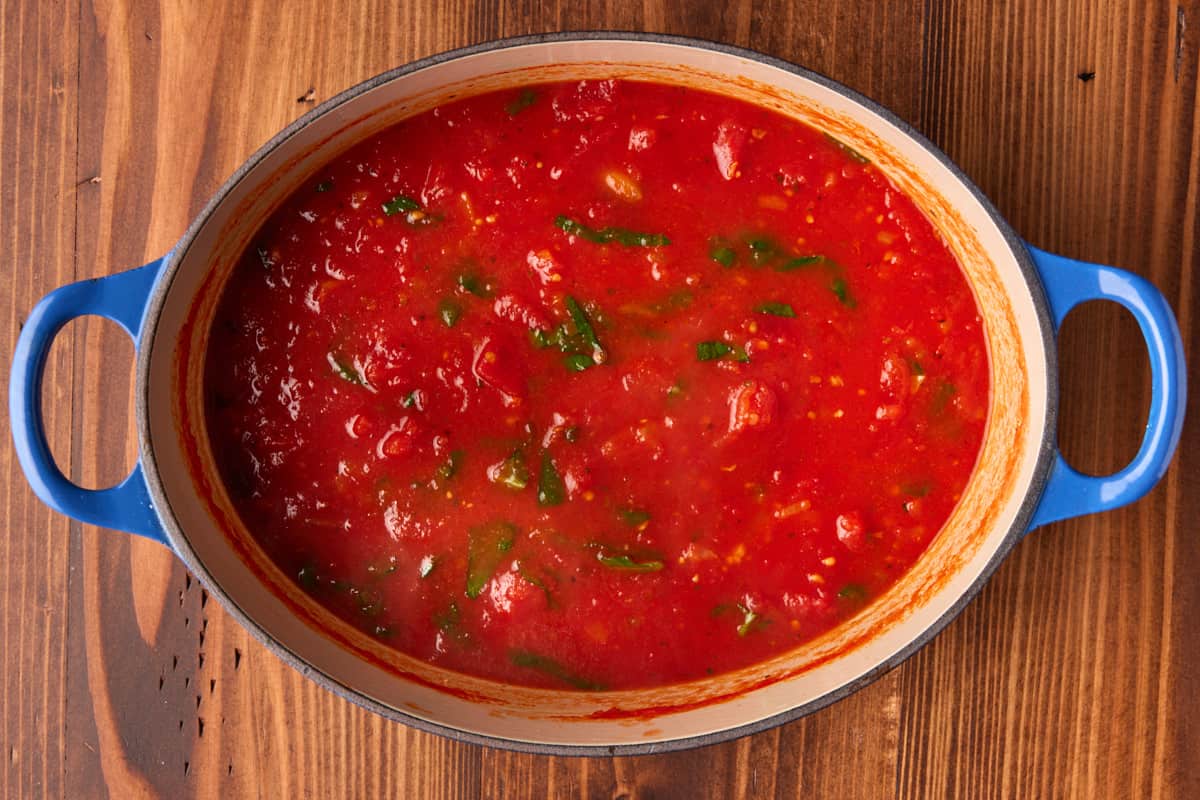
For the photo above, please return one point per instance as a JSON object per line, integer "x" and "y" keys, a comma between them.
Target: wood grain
{"x": 1073, "y": 673}
{"x": 37, "y": 233}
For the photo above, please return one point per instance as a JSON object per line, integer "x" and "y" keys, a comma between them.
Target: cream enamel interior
{"x": 958, "y": 556}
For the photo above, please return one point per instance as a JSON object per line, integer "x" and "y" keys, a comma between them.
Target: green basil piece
{"x": 524, "y": 100}
{"x": 633, "y": 517}
{"x": 345, "y": 369}
{"x": 449, "y": 312}
{"x": 801, "y": 262}
{"x": 583, "y": 325}
{"x": 551, "y": 491}
{"x": 486, "y": 546}
{"x": 400, "y": 203}
{"x": 751, "y": 620}
{"x": 578, "y": 362}
{"x": 512, "y": 473}
{"x": 941, "y": 398}
{"x": 711, "y": 351}
{"x": 622, "y": 236}
{"x": 853, "y": 591}
{"x": 842, "y": 292}
{"x": 627, "y": 564}
{"x": 548, "y": 666}
{"x": 776, "y": 309}
{"x": 476, "y": 285}
{"x": 763, "y": 250}
{"x": 449, "y": 467}
{"x": 723, "y": 255}
{"x": 307, "y": 577}
{"x": 850, "y": 152}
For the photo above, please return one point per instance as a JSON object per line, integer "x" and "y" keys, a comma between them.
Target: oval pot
{"x": 175, "y": 496}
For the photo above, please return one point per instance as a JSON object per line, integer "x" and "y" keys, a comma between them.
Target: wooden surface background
{"x": 1076, "y": 673}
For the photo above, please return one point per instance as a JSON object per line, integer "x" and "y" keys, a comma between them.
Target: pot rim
{"x": 178, "y": 540}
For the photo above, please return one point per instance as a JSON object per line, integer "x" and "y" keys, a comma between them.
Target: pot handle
{"x": 1068, "y": 283}
{"x": 121, "y": 298}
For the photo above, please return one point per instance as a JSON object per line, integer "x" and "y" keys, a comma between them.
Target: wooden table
{"x": 1074, "y": 674}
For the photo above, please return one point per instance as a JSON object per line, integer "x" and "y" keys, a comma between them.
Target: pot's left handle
{"x": 121, "y": 298}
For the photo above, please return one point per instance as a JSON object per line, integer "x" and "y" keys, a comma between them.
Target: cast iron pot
{"x": 175, "y": 496}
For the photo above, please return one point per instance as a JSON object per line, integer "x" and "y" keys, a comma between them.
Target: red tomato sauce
{"x": 596, "y": 385}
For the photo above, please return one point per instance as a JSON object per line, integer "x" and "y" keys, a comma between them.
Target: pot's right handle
{"x": 121, "y": 298}
{"x": 1068, "y": 283}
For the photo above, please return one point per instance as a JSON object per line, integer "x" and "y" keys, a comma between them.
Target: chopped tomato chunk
{"x": 851, "y": 532}
{"x": 494, "y": 366}
{"x": 728, "y": 144}
{"x": 751, "y": 405}
{"x": 595, "y": 384}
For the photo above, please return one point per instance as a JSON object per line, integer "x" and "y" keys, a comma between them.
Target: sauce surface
{"x": 596, "y": 385}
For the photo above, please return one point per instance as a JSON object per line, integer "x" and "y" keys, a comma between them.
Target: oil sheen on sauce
{"x": 596, "y": 385}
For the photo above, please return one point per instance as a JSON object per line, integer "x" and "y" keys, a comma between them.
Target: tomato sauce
{"x": 596, "y": 385}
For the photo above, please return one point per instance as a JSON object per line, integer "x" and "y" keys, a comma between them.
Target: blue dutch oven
{"x": 175, "y": 496}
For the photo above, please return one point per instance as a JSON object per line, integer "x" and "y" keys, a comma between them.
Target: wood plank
{"x": 832, "y": 38}
{"x": 1065, "y": 677}
{"x": 38, "y": 70}
{"x": 176, "y": 700}
{"x": 1069, "y": 676}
